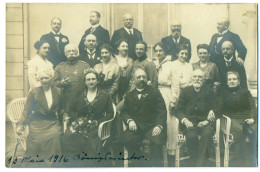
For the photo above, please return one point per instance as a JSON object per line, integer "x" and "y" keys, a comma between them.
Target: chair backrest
{"x": 225, "y": 125}
{"x": 15, "y": 109}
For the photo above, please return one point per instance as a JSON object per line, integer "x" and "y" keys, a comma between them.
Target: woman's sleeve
{"x": 252, "y": 106}
{"x": 115, "y": 84}
{"x": 28, "y": 109}
{"x": 175, "y": 87}
{"x": 32, "y": 76}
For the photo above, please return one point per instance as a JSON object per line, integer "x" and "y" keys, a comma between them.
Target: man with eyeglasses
{"x": 230, "y": 63}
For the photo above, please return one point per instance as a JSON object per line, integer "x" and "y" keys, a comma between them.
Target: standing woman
{"x": 108, "y": 71}
{"x": 41, "y": 115}
{"x": 38, "y": 62}
{"x": 126, "y": 67}
{"x": 92, "y": 107}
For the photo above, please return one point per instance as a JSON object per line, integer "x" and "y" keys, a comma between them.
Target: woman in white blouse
{"x": 38, "y": 62}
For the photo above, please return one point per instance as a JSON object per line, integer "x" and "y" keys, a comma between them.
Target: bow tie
{"x": 140, "y": 92}
{"x": 57, "y": 35}
{"x": 220, "y": 35}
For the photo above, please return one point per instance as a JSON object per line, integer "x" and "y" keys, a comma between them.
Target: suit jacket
{"x": 101, "y": 34}
{"x": 172, "y": 46}
{"x": 215, "y": 48}
{"x": 132, "y": 40}
{"x": 223, "y": 69}
{"x": 148, "y": 112}
{"x": 92, "y": 62}
{"x": 193, "y": 105}
{"x": 56, "y": 54}
{"x": 36, "y": 107}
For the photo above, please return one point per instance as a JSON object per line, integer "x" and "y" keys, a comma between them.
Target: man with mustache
{"x": 132, "y": 35}
{"x": 57, "y": 42}
{"x": 91, "y": 54}
{"x": 69, "y": 76}
{"x": 230, "y": 63}
{"x": 195, "y": 112}
{"x": 225, "y": 35}
{"x": 102, "y": 35}
{"x": 176, "y": 39}
{"x": 144, "y": 114}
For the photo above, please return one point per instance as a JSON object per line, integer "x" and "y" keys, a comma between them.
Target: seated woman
{"x": 238, "y": 104}
{"x": 40, "y": 114}
{"x": 108, "y": 71}
{"x": 126, "y": 68}
{"x": 92, "y": 108}
{"x": 210, "y": 69}
{"x": 38, "y": 62}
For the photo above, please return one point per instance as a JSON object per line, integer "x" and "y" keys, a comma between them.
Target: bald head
{"x": 176, "y": 28}
{"x": 128, "y": 20}
{"x": 227, "y": 49}
{"x": 222, "y": 24}
{"x": 90, "y": 42}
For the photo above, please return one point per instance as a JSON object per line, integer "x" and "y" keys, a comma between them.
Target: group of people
{"x": 73, "y": 89}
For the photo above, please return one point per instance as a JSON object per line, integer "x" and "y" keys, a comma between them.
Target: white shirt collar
{"x": 222, "y": 33}
{"x": 229, "y": 59}
{"x": 95, "y": 26}
{"x": 55, "y": 33}
{"x": 94, "y": 51}
{"x": 129, "y": 29}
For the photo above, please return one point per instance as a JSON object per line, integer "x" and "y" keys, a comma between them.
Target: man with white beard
{"x": 195, "y": 112}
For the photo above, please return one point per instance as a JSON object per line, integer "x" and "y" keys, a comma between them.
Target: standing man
{"x": 230, "y": 63}
{"x": 69, "y": 76}
{"x": 144, "y": 114}
{"x": 225, "y": 35}
{"x": 102, "y": 35}
{"x": 90, "y": 54}
{"x": 176, "y": 39}
{"x": 149, "y": 66}
{"x": 128, "y": 33}
{"x": 194, "y": 108}
{"x": 57, "y": 42}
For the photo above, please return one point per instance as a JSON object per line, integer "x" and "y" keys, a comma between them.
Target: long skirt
{"x": 171, "y": 122}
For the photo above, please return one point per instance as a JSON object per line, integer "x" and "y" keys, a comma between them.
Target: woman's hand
{"x": 249, "y": 121}
{"x": 211, "y": 116}
{"x": 20, "y": 129}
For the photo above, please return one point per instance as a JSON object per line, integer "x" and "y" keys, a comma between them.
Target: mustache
{"x": 176, "y": 29}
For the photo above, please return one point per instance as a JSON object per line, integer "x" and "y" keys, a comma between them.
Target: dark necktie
{"x": 130, "y": 32}
{"x": 92, "y": 30}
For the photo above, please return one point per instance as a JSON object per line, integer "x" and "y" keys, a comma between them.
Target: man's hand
{"x": 203, "y": 123}
{"x": 149, "y": 83}
{"x": 240, "y": 61}
{"x": 156, "y": 131}
{"x": 250, "y": 121}
{"x": 132, "y": 126}
{"x": 211, "y": 116}
{"x": 66, "y": 117}
{"x": 187, "y": 123}
{"x": 65, "y": 81}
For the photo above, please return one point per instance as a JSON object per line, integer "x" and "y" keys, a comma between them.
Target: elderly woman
{"x": 38, "y": 62}
{"x": 108, "y": 71}
{"x": 92, "y": 107}
{"x": 40, "y": 114}
{"x": 126, "y": 67}
{"x": 210, "y": 69}
{"x": 238, "y": 104}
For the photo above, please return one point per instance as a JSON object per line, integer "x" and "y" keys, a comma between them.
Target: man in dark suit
{"x": 225, "y": 35}
{"x": 90, "y": 54}
{"x": 144, "y": 114}
{"x": 101, "y": 34}
{"x": 194, "y": 108}
{"x": 128, "y": 33}
{"x": 229, "y": 63}
{"x": 57, "y": 42}
{"x": 176, "y": 39}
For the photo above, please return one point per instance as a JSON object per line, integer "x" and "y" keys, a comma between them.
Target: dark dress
{"x": 78, "y": 144}
{"x": 44, "y": 128}
{"x": 238, "y": 104}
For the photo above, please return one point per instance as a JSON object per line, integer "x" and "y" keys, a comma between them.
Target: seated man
{"x": 144, "y": 112}
{"x": 192, "y": 110}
